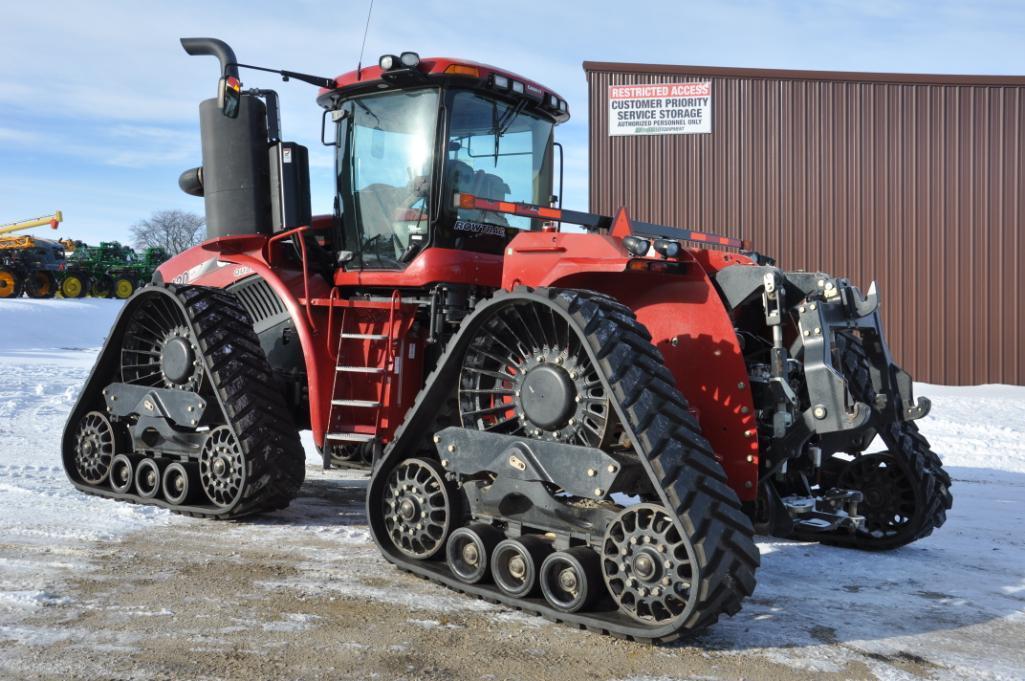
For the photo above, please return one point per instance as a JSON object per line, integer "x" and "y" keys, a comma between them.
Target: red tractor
{"x": 586, "y": 424}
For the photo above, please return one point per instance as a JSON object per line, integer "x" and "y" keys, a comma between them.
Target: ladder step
{"x": 349, "y": 437}
{"x": 361, "y": 370}
{"x": 356, "y": 403}
{"x": 365, "y": 336}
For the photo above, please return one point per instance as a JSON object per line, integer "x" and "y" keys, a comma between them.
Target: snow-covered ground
{"x": 953, "y": 604}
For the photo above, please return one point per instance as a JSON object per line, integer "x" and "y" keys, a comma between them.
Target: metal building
{"x": 913, "y": 180}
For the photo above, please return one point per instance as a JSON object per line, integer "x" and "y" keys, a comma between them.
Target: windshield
{"x": 497, "y": 151}
{"x": 387, "y": 162}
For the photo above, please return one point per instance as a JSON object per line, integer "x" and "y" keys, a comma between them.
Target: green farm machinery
{"x": 108, "y": 270}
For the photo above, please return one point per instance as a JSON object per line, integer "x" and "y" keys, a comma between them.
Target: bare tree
{"x": 173, "y": 230}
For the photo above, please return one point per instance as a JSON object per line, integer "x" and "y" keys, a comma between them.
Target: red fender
{"x": 246, "y": 263}
{"x": 688, "y": 323}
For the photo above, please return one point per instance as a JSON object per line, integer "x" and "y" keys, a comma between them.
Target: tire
{"x": 11, "y": 285}
{"x": 41, "y": 284}
{"x": 123, "y": 288}
{"x": 74, "y": 286}
{"x": 100, "y": 287}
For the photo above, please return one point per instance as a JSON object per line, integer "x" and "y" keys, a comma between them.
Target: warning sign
{"x": 660, "y": 109}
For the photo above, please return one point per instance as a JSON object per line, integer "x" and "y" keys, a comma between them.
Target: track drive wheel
{"x": 123, "y": 288}
{"x": 74, "y": 286}
{"x": 41, "y": 284}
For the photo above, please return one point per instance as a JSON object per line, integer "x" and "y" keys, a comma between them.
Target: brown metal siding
{"x": 914, "y": 181}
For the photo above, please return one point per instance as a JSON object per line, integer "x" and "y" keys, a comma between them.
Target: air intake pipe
{"x": 235, "y": 179}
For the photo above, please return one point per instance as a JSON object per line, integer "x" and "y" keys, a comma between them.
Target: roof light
{"x": 517, "y": 87}
{"x": 500, "y": 82}
{"x": 667, "y": 248}
{"x": 563, "y": 107}
{"x": 553, "y": 101}
{"x": 410, "y": 59}
{"x": 388, "y": 62}
{"x": 462, "y": 70}
{"x": 636, "y": 245}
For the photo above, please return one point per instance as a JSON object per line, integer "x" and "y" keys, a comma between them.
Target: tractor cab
{"x": 413, "y": 134}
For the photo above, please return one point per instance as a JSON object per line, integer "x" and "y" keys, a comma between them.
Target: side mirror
{"x": 229, "y": 96}
{"x": 336, "y": 115}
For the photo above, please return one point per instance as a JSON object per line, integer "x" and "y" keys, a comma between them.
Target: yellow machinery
{"x": 52, "y": 220}
{"x": 27, "y": 264}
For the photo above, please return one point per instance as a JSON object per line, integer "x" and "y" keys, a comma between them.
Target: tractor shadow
{"x": 325, "y": 500}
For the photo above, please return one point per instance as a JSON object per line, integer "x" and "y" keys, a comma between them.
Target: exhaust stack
{"x": 235, "y": 177}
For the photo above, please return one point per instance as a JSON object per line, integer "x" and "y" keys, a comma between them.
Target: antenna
{"x": 359, "y": 64}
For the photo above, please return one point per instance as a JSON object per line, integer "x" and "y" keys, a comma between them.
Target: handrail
{"x": 306, "y": 273}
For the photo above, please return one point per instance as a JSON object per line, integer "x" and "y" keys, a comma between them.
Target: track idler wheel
{"x": 176, "y": 483}
{"x": 647, "y": 565}
{"x": 418, "y": 508}
{"x": 468, "y": 551}
{"x": 122, "y": 472}
{"x": 95, "y": 447}
{"x": 222, "y": 467}
{"x": 147, "y": 478}
{"x": 516, "y": 563}
{"x": 571, "y": 579}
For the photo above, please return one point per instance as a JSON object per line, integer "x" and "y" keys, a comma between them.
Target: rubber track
{"x": 914, "y": 455}
{"x": 679, "y": 459}
{"x": 250, "y": 401}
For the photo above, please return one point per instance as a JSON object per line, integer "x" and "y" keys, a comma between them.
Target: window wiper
{"x": 501, "y": 126}
{"x": 510, "y": 116}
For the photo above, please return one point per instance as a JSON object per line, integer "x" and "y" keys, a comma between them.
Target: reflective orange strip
{"x": 521, "y": 209}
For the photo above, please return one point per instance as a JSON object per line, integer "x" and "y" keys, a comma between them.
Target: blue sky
{"x": 98, "y": 103}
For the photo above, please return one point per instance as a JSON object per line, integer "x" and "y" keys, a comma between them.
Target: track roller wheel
{"x": 147, "y": 478}
{"x": 468, "y": 550}
{"x": 11, "y": 285}
{"x": 516, "y": 563}
{"x": 647, "y": 565}
{"x": 417, "y": 508}
{"x": 571, "y": 579}
{"x": 123, "y": 288}
{"x": 74, "y": 286}
{"x": 122, "y": 471}
{"x": 176, "y": 482}
{"x": 222, "y": 467}
{"x": 95, "y": 447}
